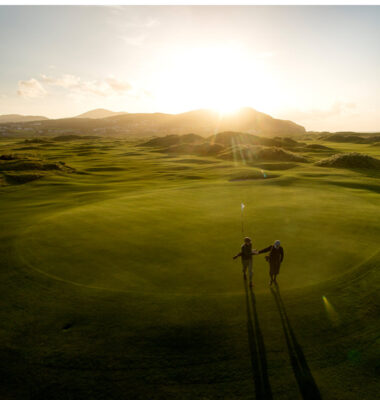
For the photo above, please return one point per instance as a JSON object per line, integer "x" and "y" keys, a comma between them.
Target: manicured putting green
{"x": 183, "y": 240}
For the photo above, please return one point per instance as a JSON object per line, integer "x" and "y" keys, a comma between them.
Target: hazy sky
{"x": 318, "y": 66}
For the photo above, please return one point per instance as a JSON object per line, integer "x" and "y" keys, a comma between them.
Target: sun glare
{"x": 222, "y": 78}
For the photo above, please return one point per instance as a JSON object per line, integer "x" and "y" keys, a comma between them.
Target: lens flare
{"x": 233, "y": 146}
{"x": 331, "y": 313}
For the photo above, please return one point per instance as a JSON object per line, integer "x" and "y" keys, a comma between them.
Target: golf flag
{"x": 242, "y": 206}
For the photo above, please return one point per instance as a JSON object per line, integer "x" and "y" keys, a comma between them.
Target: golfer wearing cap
{"x": 246, "y": 254}
{"x": 275, "y": 257}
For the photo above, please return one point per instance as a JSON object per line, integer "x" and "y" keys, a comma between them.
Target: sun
{"x": 226, "y": 108}
{"x": 222, "y": 78}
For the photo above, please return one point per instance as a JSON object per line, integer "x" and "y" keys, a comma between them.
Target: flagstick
{"x": 242, "y": 219}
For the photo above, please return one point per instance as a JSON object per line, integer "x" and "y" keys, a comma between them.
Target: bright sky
{"x": 318, "y": 66}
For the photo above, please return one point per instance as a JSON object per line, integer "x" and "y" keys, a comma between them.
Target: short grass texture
{"x": 117, "y": 281}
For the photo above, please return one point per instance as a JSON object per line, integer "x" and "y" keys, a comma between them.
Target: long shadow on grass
{"x": 257, "y": 349}
{"x": 308, "y": 388}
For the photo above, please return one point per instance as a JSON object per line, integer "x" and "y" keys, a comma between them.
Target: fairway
{"x": 119, "y": 280}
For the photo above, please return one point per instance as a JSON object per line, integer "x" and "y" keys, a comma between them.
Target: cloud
{"x": 118, "y": 86}
{"x": 98, "y": 87}
{"x": 65, "y": 81}
{"x": 79, "y": 89}
{"x": 31, "y": 89}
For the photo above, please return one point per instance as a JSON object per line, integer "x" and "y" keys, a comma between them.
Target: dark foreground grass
{"x": 118, "y": 283}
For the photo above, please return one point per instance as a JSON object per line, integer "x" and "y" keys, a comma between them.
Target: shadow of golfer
{"x": 257, "y": 349}
{"x": 305, "y": 380}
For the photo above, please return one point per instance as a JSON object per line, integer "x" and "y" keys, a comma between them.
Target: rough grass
{"x": 317, "y": 147}
{"x": 27, "y": 164}
{"x": 351, "y": 160}
{"x": 69, "y": 138}
{"x": 36, "y": 141}
{"x": 352, "y": 138}
{"x": 229, "y": 139}
{"x": 203, "y": 149}
{"x": 171, "y": 140}
{"x": 8, "y": 157}
{"x": 197, "y": 145}
{"x": 19, "y": 168}
{"x": 20, "y": 178}
{"x": 278, "y": 154}
{"x": 250, "y": 153}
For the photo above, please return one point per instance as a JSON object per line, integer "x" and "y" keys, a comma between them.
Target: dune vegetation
{"x": 118, "y": 273}
{"x": 351, "y": 160}
{"x": 22, "y": 168}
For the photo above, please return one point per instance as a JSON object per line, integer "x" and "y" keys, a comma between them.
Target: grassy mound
{"x": 18, "y": 179}
{"x": 171, "y": 140}
{"x": 317, "y": 147}
{"x": 203, "y": 149}
{"x": 28, "y": 165}
{"x": 260, "y": 153}
{"x": 341, "y": 138}
{"x": 276, "y": 153}
{"x": 230, "y": 146}
{"x": 351, "y": 161}
{"x": 286, "y": 143}
{"x": 351, "y": 137}
{"x": 9, "y": 157}
{"x": 68, "y": 138}
{"x": 239, "y": 138}
{"x": 234, "y": 138}
{"x": 18, "y": 168}
{"x": 27, "y": 148}
{"x": 35, "y": 141}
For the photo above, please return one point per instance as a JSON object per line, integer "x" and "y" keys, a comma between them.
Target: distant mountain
{"x": 9, "y": 118}
{"x": 99, "y": 113}
{"x": 206, "y": 122}
{"x": 199, "y": 122}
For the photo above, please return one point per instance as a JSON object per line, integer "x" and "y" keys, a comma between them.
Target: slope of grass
{"x": 351, "y": 160}
{"x": 118, "y": 281}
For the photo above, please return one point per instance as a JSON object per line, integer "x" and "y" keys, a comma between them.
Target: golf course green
{"x": 118, "y": 282}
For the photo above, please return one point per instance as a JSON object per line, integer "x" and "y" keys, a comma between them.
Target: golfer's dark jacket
{"x": 246, "y": 251}
{"x": 275, "y": 254}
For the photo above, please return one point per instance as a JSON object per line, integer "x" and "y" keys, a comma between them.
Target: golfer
{"x": 246, "y": 254}
{"x": 275, "y": 257}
